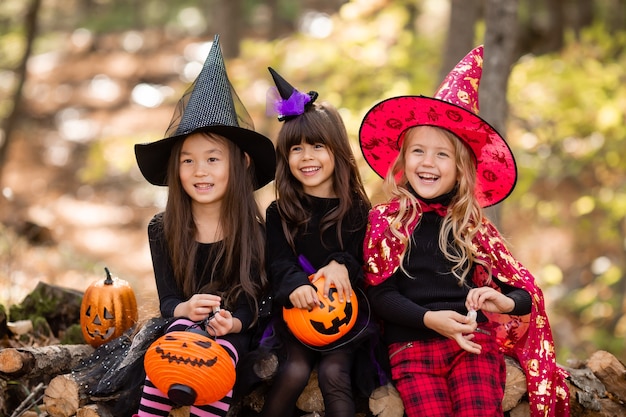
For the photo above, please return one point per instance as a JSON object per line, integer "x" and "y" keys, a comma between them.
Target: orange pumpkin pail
{"x": 190, "y": 367}
{"x": 327, "y": 322}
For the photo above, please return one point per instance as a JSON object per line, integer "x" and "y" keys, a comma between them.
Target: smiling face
{"x": 429, "y": 161}
{"x": 313, "y": 166}
{"x": 203, "y": 168}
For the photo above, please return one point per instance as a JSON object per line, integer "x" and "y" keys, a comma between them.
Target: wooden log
{"x": 58, "y": 305}
{"x": 520, "y": 410}
{"x": 611, "y": 372}
{"x": 3, "y": 390}
{"x": 179, "y": 412}
{"x": 311, "y": 398}
{"x": 385, "y": 402}
{"x": 93, "y": 410}
{"x": 515, "y": 384}
{"x": 255, "y": 400}
{"x": 34, "y": 362}
{"x": 585, "y": 391}
{"x": 589, "y": 397}
{"x": 63, "y": 396}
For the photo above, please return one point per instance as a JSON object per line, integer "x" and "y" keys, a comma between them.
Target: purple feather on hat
{"x": 286, "y": 101}
{"x": 293, "y": 106}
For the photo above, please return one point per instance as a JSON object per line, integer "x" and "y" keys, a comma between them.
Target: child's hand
{"x": 337, "y": 275}
{"x": 454, "y": 326}
{"x": 488, "y": 299}
{"x": 304, "y": 297}
{"x": 223, "y": 322}
{"x": 198, "y": 307}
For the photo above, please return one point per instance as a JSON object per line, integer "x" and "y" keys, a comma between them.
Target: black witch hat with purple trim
{"x": 286, "y": 101}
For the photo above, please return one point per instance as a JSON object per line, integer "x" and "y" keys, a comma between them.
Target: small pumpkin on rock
{"x": 108, "y": 309}
{"x": 325, "y": 323}
{"x": 190, "y": 367}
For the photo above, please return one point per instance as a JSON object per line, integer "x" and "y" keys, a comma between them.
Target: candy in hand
{"x": 471, "y": 314}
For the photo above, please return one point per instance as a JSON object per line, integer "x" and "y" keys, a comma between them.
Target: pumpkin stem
{"x": 108, "y": 280}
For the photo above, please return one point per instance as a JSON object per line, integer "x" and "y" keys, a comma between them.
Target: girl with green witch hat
{"x": 208, "y": 245}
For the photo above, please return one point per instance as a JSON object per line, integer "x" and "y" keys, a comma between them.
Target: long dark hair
{"x": 320, "y": 123}
{"x": 241, "y": 254}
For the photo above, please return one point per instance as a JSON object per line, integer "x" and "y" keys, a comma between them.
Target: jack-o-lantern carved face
{"x": 190, "y": 368}
{"x": 327, "y": 312}
{"x": 108, "y": 309}
{"x": 101, "y": 321}
{"x": 327, "y": 322}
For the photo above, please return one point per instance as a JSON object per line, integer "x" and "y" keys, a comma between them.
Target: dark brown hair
{"x": 320, "y": 123}
{"x": 241, "y": 256}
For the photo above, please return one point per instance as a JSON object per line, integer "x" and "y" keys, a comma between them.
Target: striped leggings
{"x": 155, "y": 403}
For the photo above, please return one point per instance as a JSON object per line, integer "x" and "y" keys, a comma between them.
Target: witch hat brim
{"x": 153, "y": 158}
{"x": 384, "y": 125}
{"x": 209, "y": 105}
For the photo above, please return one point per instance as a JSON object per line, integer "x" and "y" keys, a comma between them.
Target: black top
{"x": 285, "y": 272}
{"x": 402, "y": 300}
{"x": 169, "y": 293}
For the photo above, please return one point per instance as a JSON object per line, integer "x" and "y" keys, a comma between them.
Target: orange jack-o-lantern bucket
{"x": 190, "y": 367}
{"x": 108, "y": 309}
{"x": 325, "y": 323}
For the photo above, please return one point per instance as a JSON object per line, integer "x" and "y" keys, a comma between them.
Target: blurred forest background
{"x": 82, "y": 81}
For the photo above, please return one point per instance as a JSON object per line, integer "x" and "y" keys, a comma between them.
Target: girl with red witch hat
{"x": 452, "y": 298}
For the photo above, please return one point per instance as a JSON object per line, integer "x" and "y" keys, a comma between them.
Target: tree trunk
{"x": 556, "y": 26}
{"x": 584, "y": 16}
{"x": 273, "y": 31}
{"x": 30, "y": 28}
{"x": 461, "y": 33}
{"x": 227, "y": 25}
{"x": 617, "y": 20}
{"x": 500, "y": 43}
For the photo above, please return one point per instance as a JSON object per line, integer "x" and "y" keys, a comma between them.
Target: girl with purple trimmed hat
{"x": 315, "y": 229}
{"x": 452, "y": 298}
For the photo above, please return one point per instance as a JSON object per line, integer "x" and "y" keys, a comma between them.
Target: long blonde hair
{"x": 464, "y": 213}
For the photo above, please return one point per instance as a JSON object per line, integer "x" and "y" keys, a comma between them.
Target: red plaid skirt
{"x": 437, "y": 378}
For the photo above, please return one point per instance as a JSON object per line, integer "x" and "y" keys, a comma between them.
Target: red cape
{"x": 526, "y": 338}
